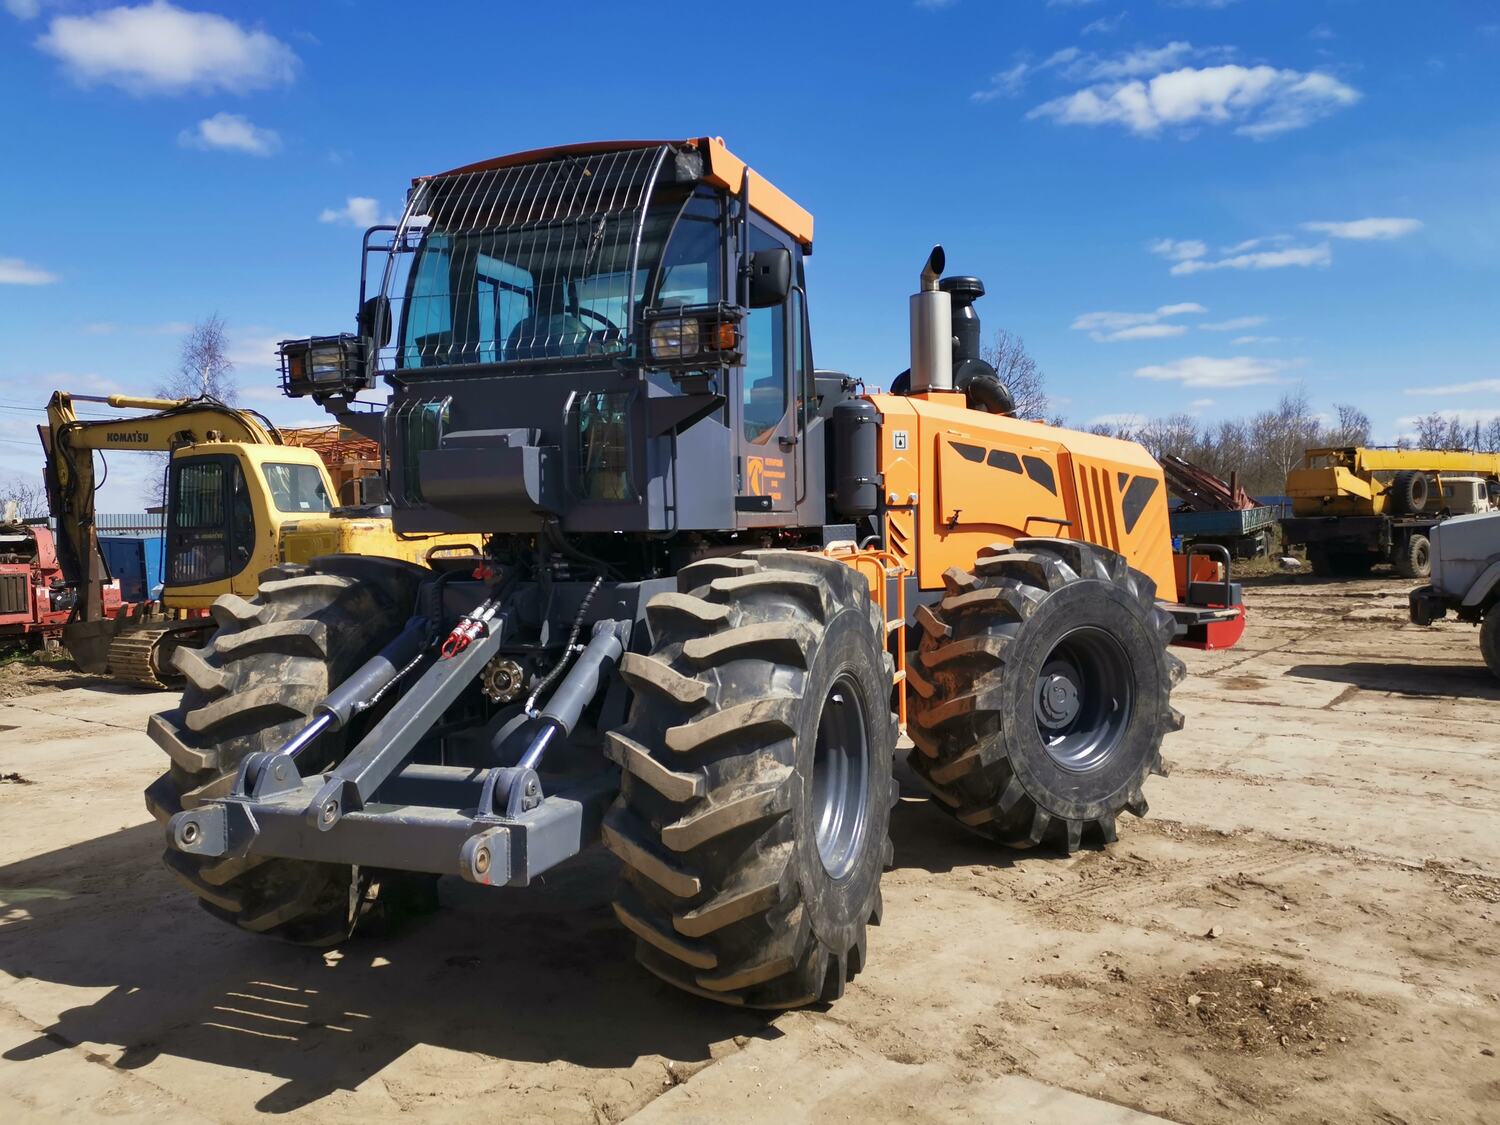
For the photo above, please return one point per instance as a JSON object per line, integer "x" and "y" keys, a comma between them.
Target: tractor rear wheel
{"x": 1041, "y": 693}
{"x": 250, "y": 689}
{"x": 756, "y": 780}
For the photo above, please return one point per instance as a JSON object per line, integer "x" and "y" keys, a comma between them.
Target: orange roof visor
{"x": 721, "y": 169}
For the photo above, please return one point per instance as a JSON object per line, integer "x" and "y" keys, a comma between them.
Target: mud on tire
{"x": 996, "y": 668}
{"x": 250, "y": 689}
{"x": 752, "y": 847}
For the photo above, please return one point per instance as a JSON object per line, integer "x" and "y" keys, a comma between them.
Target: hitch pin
{"x": 471, "y": 626}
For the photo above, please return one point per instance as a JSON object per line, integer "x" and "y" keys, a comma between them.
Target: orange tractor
{"x": 716, "y": 583}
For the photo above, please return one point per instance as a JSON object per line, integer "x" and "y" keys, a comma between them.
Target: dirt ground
{"x": 1304, "y": 929}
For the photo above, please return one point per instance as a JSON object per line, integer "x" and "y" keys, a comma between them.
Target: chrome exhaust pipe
{"x": 932, "y": 330}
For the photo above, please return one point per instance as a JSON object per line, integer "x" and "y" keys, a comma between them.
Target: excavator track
{"x": 143, "y": 656}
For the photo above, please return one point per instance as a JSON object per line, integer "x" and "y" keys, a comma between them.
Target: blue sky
{"x": 1179, "y": 204}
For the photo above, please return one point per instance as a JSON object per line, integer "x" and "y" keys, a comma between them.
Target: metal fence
{"x": 129, "y": 523}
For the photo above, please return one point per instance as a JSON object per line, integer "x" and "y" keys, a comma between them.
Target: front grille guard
{"x": 522, "y": 243}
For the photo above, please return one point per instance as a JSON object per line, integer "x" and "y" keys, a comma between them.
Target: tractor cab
{"x": 638, "y": 310}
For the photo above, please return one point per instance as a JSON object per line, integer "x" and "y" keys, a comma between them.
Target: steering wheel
{"x": 609, "y": 325}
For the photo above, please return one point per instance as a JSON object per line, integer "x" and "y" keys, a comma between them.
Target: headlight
{"x": 674, "y": 339}
{"x": 324, "y": 365}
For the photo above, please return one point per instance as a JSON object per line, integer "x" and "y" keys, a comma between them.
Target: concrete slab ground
{"x": 1304, "y": 929}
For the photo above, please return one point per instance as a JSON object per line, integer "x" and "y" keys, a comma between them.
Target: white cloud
{"x": 1178, "y": 250}
{"x": 1478, "y": 386}
{"x": 1320, "y": 255}
{"x": 101, "y": 328}
{"x": 231, "y": 133}
{"x": 357, "y": 211}
{"x": 13, "y": 271}
{"x": 1133, "y": 64}
{"x": 1234, "y": 324}
{"x": 1207, "y": 371}
{"x": 1011, "y": 81}
{"x": 933, "y": 5}
{"x": 1246, "y": 341}
{"x": 1202, "y": 402}
{"x": 255, "y": 350}
{"x": 1365, "y": 230}
{"x": 158, "y": 48}
{"x": 24, "y": 9}
{"x": 1260, "y": 101}
{"x": 1004, "y": 83}
{"x": 1109, "y": 327}
{"x": 1104, "y": 25}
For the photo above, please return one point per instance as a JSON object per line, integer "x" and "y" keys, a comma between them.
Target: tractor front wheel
{"x": 756, "y": 780}
{"x": 1041, "y": 693}
{"x": 250, "y": 689}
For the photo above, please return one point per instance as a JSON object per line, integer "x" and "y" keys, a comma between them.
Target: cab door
{"x": 764, "y": 412}
{"x": 210, "y": 539}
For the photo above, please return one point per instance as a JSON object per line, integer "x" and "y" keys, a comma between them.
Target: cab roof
{"x": 721, "y": 169}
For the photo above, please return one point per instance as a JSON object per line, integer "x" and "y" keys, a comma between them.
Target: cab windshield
{"x": 549, "y": 292}
{"x": 296, "y": 488}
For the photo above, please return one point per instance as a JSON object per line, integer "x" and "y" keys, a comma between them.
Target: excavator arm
{"x": 70, "y": 443}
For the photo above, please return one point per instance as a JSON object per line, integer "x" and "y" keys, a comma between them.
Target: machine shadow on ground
{"x": 534, "y": 975}
{"x": 1456, "y": 681}
{"x": 530, "y": 975}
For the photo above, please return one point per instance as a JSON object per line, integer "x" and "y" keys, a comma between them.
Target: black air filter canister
{"x": 856, "y": 452}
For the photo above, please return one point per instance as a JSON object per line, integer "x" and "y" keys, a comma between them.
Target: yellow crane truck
{"x": 1358, "y": 506}
{"x": 240, "y": 500}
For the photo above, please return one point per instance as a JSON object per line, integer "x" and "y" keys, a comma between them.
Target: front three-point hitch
{"x": 491, "y": 824}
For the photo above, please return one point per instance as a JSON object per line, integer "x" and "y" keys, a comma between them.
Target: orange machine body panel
{"x": 957, "y": 480}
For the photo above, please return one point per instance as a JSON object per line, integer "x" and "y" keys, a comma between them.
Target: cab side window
{"x": 764, "y": 389}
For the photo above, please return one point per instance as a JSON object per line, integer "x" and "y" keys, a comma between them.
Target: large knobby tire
{"x": 1414, "y": 557}
{"x": 250, "y": 689}
{"x": 1489, "y": 639}
{"x": 1041, "y": 693}
{"x": 1408, "y": 492}
{"x": 756, "y": 780}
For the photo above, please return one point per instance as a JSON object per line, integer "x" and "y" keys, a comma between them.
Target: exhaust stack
{"x": 932, "y": 330}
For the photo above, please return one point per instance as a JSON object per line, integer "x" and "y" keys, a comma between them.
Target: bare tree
{"x": 1352, "y": 428}
{"x": 29, "y": 498}
{"x": 1006, "y": 353}
{"x": 203, "y": 365}
{"x": 1282, "y": 435}
{"x": 1176, "y": 434}
{"x": 203, "y": 369}
{"x": 1491, "y": 442}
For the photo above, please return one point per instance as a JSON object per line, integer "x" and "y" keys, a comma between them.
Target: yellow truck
{"x": 240, "y": 500}
{"x": 1358, "y": 506}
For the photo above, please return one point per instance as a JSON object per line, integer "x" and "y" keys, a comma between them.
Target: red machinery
{"x": 34, "y": 598}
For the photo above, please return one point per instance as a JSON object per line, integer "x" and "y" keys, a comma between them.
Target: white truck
{"x": 1465, "y": 579}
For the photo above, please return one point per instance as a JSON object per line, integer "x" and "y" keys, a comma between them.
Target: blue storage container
{"x": 136, "y": 560}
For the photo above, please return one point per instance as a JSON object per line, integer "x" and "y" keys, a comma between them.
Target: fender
{"x": 1487, "y": 581}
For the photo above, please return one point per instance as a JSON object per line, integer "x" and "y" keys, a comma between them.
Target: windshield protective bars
{"x": 533, "y": 261}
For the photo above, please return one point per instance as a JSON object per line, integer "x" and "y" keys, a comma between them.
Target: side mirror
{"x": 770, "y": 277}
{"x": 375, "y": 320}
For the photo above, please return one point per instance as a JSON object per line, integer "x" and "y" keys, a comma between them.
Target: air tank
{"x": 856, "y": 442}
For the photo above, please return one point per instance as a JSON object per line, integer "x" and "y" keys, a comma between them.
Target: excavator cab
{"x": 227, "y": 503}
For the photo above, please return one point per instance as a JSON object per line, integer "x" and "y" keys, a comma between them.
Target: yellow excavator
{"x": 240, "y": 499}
